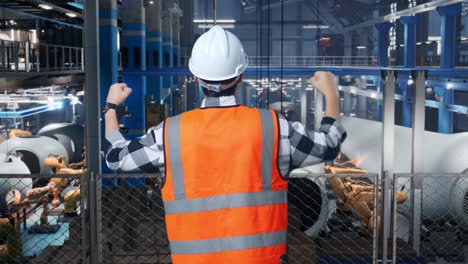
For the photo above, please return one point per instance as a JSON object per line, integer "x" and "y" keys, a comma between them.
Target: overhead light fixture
{"x": 419, "y": 43}
{"x": 433, "y": 38}
{"x": 46, "y": 7}
{"x": 151, "y": 2}
{"x": 212, "y": 21}
{"x": 449, "y": 85}
{"x": 71, "y": 14}
{"x": 360, "y": 47}
{"x": 212, "y": 25}
{"x": 315, "y": 26}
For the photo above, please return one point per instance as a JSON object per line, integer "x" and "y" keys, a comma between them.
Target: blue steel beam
{"x": 108, "y": 65}
{"x": 448, "y": 15}
{"x": 383, "y": 43}
{"x": 308, "y": 71}
{"x": 410, "y": 23}
{"x": 456, "y": 84}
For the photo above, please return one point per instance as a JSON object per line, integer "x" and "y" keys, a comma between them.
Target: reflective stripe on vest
{"x": 181, "y": 205}
{"x": 229, "y": 243}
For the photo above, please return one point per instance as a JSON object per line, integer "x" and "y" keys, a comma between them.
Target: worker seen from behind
{"x": 226, "y": 165}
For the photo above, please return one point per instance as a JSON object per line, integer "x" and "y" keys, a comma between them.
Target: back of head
{"x": 218, "y": 58}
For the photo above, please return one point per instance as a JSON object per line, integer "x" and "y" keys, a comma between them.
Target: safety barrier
{"x": 305, "y": 61}
{"x": 130, "y": 217}
{"x": 333, "y": 218}
{"x": 18, "y": 56}
{"x": 434, "y": 220}
{"x": 41, "y": 219}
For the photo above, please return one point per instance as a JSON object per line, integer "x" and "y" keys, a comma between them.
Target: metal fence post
{"x": 388, "y": 139}
{"x": 304, "y": 101}
{"x": 93, "y": 125}
{"x": 15, "y": 53}
{"x": 395, "y": 218}
{"x": 375, "y": 239}
{"x": 417, "y": 156}
{"x": 47, "y": 58}
{"x": 318, "y": 108}
{"x": 2, "y": 55}
{"x": 93, "y": 230}
{"x": 26, "y": 56}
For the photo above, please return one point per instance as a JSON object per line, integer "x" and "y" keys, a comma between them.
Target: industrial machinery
{"x": 34, "y": 150}
{"x": 70, "y": 135}
{"x": 443, "y": 197}
{"x": 357, "y": 195}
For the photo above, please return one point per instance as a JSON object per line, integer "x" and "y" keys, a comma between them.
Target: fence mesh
{"x": 434, "y": 220}
{"x": 40, "y": 219}
{"x": 332, "y": 219}
{"x": 132, "y": 220}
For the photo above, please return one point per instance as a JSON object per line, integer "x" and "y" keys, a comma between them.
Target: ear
{"x": 241, "y": 77}
{"x": 195, "y": 78}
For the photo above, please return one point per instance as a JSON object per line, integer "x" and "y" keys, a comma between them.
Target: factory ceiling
{"x": 24, "y": 12}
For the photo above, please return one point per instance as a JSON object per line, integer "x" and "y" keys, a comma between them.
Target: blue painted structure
{"x": 108, "y": 65}
{"x": 155, "y": 61}
{"x": 168, "y": 63}
{"x": 134, "y": 46}
{"x": 410, "y": 40}
{"x": 134, "y": 42}
{"x": 383, "y": 43}
{"x": 448, "y": 15}
{"x": 382, "y": 58}
{"x": 308, "y": 71}
{"x": 410, "y": 23}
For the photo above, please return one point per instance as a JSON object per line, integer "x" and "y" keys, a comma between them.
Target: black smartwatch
{"x": 108, "y": 106}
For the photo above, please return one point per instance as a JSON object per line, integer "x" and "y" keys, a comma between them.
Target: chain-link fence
{"x": 40, "y": 219}
{"x": 131, "y": 220}
{"x": 332, "y": 219}
{"x": 434, "y": 220}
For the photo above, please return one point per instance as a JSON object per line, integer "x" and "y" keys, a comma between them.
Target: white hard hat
{"x": 218, "y": 55}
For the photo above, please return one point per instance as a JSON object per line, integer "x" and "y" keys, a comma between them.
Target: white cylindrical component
{"x": 442, "y": 197}
{"x": 443, "y": 153}
{"x": 70, "y": 135}
{"x": 309, "y": 197}
{"x": 34, "y": 150}
{"x": 12, "y": 165}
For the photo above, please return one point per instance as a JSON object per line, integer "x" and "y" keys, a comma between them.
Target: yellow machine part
{"x": 71, "y": 199}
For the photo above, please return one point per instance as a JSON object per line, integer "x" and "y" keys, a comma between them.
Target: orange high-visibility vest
{"x": 224, "y": 197}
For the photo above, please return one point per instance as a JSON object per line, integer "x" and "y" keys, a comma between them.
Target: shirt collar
{"x": 221, "y": 101}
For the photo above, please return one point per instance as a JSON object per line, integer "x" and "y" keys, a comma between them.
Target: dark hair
{"x": 227, "y": 92}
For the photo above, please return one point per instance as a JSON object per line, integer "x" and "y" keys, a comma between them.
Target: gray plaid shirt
{"x": 298, "y": 148}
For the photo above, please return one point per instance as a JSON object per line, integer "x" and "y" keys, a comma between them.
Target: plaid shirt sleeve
{"x": 143, "y": 154}
{"x": 299, "y": 148}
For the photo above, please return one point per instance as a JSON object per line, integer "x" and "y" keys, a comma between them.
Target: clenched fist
{"x": 325, "y": 82}
{"x": 118, "y": 93}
